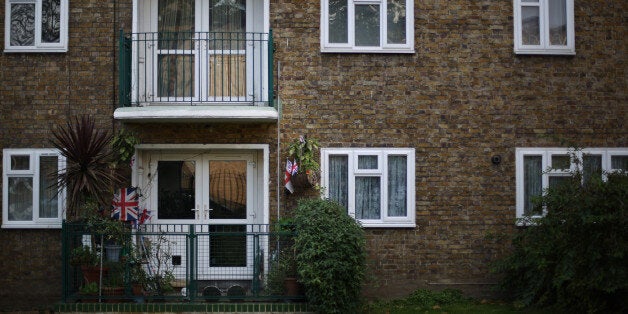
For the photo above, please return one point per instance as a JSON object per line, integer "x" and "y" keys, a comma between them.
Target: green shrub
{"x": 331, "y": 256}
{"x": 574, "y": 258}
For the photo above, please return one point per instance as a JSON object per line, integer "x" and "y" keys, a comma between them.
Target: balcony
{"x": 196, "y": 76}
{"x": 178, "y": 263}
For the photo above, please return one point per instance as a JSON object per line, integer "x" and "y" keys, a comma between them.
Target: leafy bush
{"x": 331, "y": 256}
{"x": 574, "y": 258}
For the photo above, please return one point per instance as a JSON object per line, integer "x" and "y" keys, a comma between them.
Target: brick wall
{"x": 463, "y": 97}
{"x": 460, "y": 99}
{"x": 39, "y": 92}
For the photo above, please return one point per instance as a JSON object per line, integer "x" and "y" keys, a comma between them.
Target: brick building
{"x": 436, "y": 119}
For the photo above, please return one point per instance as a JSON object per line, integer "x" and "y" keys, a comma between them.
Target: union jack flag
{"x": 291, "y": 169}
{"x": 125, "y": 205}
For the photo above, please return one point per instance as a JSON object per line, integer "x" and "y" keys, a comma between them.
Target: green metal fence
{"x": 179, "y": 263}
{"x": 196, "y": 68}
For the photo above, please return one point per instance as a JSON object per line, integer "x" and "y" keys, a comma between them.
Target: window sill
{"x": 197, "y": 114}
{"x": 388, "y": 225}
{"x": 558, "y": 52}
{"x": 31, "y": 225}
{"x": 35, "y": 50}
{"x": 367, "y": 50}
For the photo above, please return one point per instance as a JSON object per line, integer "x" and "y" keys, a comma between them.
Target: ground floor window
{"x": 376, "y": 185}
{"x": 30, "y": 194}
{"x": 541, "y": 168}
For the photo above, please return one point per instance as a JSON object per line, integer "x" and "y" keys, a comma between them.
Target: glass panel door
{"x": 176, "y": 50}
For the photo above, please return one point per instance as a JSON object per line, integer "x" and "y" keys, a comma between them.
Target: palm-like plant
{"x": 88, "y": 174}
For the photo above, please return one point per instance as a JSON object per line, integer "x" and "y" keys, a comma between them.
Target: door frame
{"x": 140, "y": 167}
{"x": 260, "y": 153}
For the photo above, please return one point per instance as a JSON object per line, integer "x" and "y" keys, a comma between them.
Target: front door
{"x": 214, "y": 193}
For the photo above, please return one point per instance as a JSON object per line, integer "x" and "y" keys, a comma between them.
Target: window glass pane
{"x": 339, "y": 179}
{"x": 48, "y": 200}
{"x": 175, "y": 76}
{"x": 592, "y": 167}
{"x": 20, "y": 199}
{"x": 227, "y": 22}
{"x": 227, "y": 189}
{"x": 556, "y": 181}
{"x": 367, "y": 25}
{"x": 561, "y": 162}
{"x": 20, "y": 162}
{"x": 50, "y": 21}
{"x": 367, "y": 162}
{"x": 530, "y": 29}
{"x": 227, "y": 246}
{"x": 175, "y": 24}
{"x": 176, "y": 189}
{"x": 367, "y": 198}
{"x": 397, "y": 188}
{"x": 396, "y": 21}
{"x": 558, "y": 22}
{"x": 619, "y": 162}
{"x": 22, "y": 24}
{"x": 532, "y": 183}
{"x": 338, "y": 25}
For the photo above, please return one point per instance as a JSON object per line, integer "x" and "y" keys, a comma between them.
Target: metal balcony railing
{"x": 179, "y": 263}
{"x": 196, "y": 68}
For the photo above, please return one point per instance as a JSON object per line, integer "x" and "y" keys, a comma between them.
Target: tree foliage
{"x": 575, "y": 257}
{"x": 331, "y": 256}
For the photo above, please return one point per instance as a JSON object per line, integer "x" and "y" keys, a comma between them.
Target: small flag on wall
{"x": 291, "y": 169}
{"x": 125, "y": 205}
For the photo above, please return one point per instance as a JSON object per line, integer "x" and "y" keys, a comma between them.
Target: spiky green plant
{"x": 87, "y": 175}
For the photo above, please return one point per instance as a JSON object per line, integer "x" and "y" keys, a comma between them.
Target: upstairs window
{"x": 375, "y": 185}
{"x": 544, "y": 27}
{"x": 368, "y": 26}
{"x": 36, "y": 26}
{"x": 541, "y": 168}
{"x": 30, "y": 196}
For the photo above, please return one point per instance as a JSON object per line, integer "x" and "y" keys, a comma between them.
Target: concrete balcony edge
{"x": 191, "y": 114}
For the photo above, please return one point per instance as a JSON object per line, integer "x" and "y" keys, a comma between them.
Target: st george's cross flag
{"x": 291, "y": 169}
{"x": 125, "y": 205}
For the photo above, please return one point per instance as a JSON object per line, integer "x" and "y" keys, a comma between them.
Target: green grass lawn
{"x": 446, "y": 301}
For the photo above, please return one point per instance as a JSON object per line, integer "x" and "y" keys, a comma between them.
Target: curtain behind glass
{"x": 176, "y": 24}
{"x": 397, "y": 188}
{"x": 338, "y": 21}
{"x": 50, "y": 21}
{"x": 368, "y": 192}
{"x": 20, "y": 199}
{"x": 227, "y": 22}
{"x": 367, "y": 23}
{"x": 619, "y": 162}
{"x": 396, "y": 20}
{"x": 558, "y": 22}
{"x": 591, "y": 167}
{"x": 532, "y": 183}
{"x": 48, "y": 200}
{"x": 339, "y": 179}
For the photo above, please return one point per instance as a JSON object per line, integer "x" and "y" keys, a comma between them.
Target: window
{"x": 36, "y": 26}
{"x": 544, "y": 27}
{"x": 378, "y": 26}
{"x": 541, "y": 168}
{"x": 30, "y": 198}
{"x": 375, "y": 185}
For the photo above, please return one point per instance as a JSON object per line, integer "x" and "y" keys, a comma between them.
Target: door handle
{"x": 195, "y": 210}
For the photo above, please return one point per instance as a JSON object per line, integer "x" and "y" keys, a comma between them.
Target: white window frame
{"x": 33, "y": 172}
{"x": 546, "y": 156}
{"x": 382, "y": 153}
{"x": 544, "y": 47}
{"x": 61, "y": 46}
{"x": 350, "y": 47}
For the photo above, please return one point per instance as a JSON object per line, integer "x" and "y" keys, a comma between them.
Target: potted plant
{"x": 88, "y": 260}
{"x": 114, "y": 233}
{"x": 302, "y": 150}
